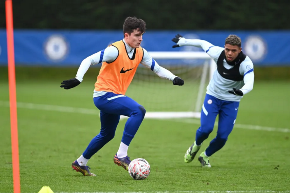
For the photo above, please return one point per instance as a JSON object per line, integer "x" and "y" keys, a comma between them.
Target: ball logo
{"x": 56, "y": 47}
{"x": 209, "y": 101}
{"x": 255, "y": 47}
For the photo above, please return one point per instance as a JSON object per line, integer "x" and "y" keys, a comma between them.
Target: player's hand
{"x": 236, "y": 92}
{"x": 68, "y": 84}
{"x": 176, "y": 40}
{"x": 178, "y": 81}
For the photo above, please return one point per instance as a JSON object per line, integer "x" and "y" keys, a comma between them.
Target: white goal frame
{"x": 209, "y": 66}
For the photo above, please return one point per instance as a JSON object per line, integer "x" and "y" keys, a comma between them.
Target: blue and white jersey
{"x": 219, "y": 86}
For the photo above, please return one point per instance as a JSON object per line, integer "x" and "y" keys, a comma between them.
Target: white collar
{"x": 128, "y": 48}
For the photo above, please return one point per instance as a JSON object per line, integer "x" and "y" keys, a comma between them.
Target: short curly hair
{"x": 132, "y": 23}
{"x": 233, "y": 40}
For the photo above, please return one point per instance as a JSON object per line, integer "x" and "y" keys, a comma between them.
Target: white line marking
{"x": 96, "y": 112}
{"x": 51, "y": 108}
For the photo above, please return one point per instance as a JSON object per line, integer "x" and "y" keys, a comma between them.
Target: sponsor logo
{"x": 123, "y": 71}
{"x": 209, "y": 101}
{"x": 255, "y": 47}
{"x": 56, "y": 47}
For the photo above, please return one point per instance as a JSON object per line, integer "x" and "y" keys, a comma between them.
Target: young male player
{"x": 119, "y": 64}
{"x": 233, "y": 78}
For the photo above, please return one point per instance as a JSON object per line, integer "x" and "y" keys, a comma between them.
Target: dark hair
{"x": 132, "y": 23}
{"x": 233, "y": 40}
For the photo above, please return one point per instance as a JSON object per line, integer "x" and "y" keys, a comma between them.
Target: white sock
{"x": 123, "y": 149}
{"x": 82, "y": 161}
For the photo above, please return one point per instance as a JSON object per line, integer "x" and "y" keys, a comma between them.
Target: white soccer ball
{"x": 139, "y": 169}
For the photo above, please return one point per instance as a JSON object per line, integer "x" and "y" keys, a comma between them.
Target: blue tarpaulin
{"x": 63, "y": 48}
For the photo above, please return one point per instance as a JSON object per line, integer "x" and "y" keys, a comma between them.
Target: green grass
{"x": 49, "y": 141}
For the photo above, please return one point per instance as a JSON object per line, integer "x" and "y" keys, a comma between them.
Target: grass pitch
{"x": 56, "y": 125}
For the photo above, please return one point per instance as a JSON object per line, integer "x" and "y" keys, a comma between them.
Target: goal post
{"x": 160, "y": 98}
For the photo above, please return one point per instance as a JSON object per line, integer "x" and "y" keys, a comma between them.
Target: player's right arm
{"x": 107, "y": 55}
{"x": 213, "y": 51}
{"x": 149, "y": 62}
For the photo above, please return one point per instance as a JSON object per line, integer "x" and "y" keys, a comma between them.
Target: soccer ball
{"x": 139, "y": 169}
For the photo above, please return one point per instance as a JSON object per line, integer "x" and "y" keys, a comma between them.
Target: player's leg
{"x": 136, "y": 114}
{"x": 227, "y": 117}
{"x": 123, "y": 105}
{"x": 208, "y": 115}
{"x": 210, "y": 110}
{"x": 109, "y": 124}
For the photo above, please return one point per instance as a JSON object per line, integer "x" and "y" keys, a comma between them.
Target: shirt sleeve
{"x": 248, "y": 71}
{"x": 149, "y": 62}
{"x": 213, "y": 51}
{"x": 107, "y": 55}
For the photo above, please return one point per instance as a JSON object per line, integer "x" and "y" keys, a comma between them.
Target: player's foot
{"x": 124, "y": 162}
{"x": 204, "y": 160}
{"x": 83, "y": 169}
{"x": 191, "y": 152}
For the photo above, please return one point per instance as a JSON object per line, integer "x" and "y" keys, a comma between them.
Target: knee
{"x": 222, "y": 138}
{"x": 140, "y": 111}
{"x": 111, "y": 135}
{"x": 203, "y": 134}
{"x": 108, "y": 136}
{"x": 205, "y": 129}
{"x": 143, "y": 110}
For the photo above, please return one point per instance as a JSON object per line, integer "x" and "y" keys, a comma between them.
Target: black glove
{"x": 236, "y": 92}
{"x": 178, "y": 81}
{"x": 176, "y": 39}
{"x": 68, "y": 84}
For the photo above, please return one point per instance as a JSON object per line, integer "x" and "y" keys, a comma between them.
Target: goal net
{"x": 160, "y": 97}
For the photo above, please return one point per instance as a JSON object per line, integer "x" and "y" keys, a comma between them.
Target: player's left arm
{"x": 247, "y": 69}
{"x": 149, "y": 62}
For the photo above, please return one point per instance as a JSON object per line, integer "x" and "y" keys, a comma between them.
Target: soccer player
{"x": 233, "y": 78}
{"x": 119, "y": 64}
